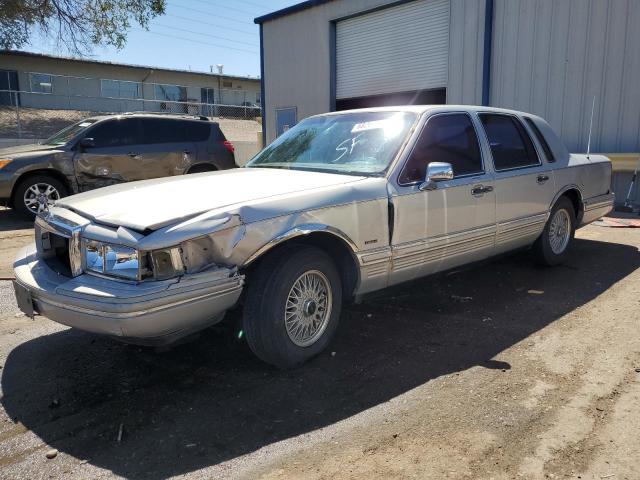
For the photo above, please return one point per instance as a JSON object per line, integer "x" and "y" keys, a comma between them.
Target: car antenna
{"x": 593, "y": 106}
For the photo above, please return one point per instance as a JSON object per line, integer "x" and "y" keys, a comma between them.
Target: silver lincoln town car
{"x": 340, "y": 205}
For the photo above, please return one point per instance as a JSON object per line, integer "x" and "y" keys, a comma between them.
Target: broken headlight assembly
{"x": 119, "y": 261}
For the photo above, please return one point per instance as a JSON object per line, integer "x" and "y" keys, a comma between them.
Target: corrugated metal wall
{"x": 552, "y": 57}
{"x": 466, "y": 35}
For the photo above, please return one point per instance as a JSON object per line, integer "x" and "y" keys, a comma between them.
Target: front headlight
{"x": 131, "y": 264}
{"x": 113, "y": 260}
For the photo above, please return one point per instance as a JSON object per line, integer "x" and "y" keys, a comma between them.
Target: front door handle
{"x": 481, "y": 190}
{"x": 542, "y": 178}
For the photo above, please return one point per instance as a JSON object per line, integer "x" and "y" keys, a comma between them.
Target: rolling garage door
{"x": 396, "y": 49}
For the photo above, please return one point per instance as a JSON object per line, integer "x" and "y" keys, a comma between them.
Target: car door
{"x": 165, "y": 149}
{"x": 524, "y": 185}
{"x": 454, "y": 223}
{"x": 108, "y": 156}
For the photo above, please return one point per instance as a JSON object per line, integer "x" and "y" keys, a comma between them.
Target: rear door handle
{"x": 133, "y": 155}
{"x": 542, "y": 178}
{"x": 186, "y": 152}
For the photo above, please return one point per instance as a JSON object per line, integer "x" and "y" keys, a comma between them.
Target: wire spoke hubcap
{"x": 559, "y": 231}
{"x": 40, "y": 196}
{"x": 308, "y": 308}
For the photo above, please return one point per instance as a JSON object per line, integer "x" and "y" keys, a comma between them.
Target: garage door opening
{"x": 420, "y": 97}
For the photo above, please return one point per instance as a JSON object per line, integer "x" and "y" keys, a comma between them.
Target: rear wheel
{"x": 36, "y": 194}
{"x": 293, "y": 306}
{"x": 552, "y": 246}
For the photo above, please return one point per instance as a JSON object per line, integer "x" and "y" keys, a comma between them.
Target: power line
{"x": 202, "y": 12}
{"x": 226, "y": 7}
{"x": 253, "y": 4}
{"x": 253, "y": 52}
{"x": 251, "y": 44}
{"x": 231, "y": 29}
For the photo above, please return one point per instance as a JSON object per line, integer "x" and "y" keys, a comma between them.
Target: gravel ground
{"x": 41, "y": 123}
{"x": 502, "y": 371}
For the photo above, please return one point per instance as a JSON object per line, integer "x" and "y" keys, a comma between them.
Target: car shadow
{"x": 10, "y": 220}
{"x": 210, "y": 401}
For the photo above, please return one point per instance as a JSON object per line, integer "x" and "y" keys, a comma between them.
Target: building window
{"x": 172, "y": 93}
{"x": 207, "y": 95}
{"x": 227, "y": 84}
{"x": 41, "y": 82}
{"x": 258, "y": 98}
{"x": 120, "y": 89}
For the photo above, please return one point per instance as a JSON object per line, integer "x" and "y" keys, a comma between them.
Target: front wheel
{"x": 552, "y": 246}
{"x": 293, "y": 306}
{"x": 36, "y": 194}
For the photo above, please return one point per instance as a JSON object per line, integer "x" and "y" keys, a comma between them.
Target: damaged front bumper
{"x": 147, "y": 313}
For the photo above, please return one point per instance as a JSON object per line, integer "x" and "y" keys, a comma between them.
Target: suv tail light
{"x": 228, "y": 145}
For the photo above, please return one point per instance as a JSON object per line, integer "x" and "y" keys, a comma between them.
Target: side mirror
{"x": 436, "y": 172}
{"x": 87, "y": 142}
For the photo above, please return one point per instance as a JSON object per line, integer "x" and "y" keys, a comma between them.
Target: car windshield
{"x": 68, "y": 133}
{"x": 357, "y": 143}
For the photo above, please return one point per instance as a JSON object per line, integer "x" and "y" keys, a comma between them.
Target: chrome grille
{"x": 58, "y": 243}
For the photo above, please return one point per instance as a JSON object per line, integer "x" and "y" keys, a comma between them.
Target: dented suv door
{"x": 112, "y": 157}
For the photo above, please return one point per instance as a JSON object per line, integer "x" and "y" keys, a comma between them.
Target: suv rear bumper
{"x": 148, "y": 313}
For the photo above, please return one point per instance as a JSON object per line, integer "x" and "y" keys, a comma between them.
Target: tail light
{"x": 228, "y": 145}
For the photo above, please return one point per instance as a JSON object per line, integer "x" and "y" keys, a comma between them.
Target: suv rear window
{"x": 543, "y": 141}
{"x": 510, "y": 144}
{"x": 198, "y": 131}
{"x": 162, "y": 130}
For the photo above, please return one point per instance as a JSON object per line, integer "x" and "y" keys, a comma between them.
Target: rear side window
{"x": 163, "y": 130}
{"x": 447, "y": 138}
{"x": 114, "y": 133}
{"x": 543, "y": 142}
{"x": 510, "y": 145}
{"x": 198, "y": 131}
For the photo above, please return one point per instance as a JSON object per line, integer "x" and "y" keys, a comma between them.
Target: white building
{"x": 547, "y": 57}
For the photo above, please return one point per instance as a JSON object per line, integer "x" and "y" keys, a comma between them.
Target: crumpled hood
{"x": 25, "y": 150}
{"x": 152, "y": 204}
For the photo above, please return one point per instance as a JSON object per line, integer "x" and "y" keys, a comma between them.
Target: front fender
{"x": 300, "y": 231}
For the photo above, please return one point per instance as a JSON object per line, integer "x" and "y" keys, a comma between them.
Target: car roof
{"x": 173, "y": 116}
{"x": 431, "y": 108}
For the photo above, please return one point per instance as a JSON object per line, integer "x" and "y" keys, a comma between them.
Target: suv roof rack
{"x": 199, "y": 117}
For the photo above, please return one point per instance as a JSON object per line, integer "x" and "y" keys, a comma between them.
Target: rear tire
{"x": 552, "y": 246}
{"x": 32, "y": 194}
{"x": 292, "y": 306}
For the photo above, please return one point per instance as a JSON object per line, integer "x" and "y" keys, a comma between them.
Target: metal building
{"x": 547, "y": 57}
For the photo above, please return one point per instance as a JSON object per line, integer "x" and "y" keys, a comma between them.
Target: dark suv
{"x": 104, "y": 150}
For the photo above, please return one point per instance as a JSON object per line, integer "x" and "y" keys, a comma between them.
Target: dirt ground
{"x": 502, "y": 371}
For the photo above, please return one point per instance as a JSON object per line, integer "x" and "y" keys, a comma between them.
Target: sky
{"x": 192, "y": 35}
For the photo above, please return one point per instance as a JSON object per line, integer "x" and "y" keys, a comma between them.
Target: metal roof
{"x": 20, "y": 53}
{"x": 298, "y": 7}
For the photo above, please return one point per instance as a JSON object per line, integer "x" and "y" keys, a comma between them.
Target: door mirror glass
{"x": 436, "y": 172}
{"x": 87, "y": 142}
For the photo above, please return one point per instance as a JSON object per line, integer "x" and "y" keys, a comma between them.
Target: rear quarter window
{"x": 198, "y": 131}
{"x": 543, "y": 141}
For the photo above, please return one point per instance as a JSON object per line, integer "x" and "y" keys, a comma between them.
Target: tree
{"x": 76, "y": 25}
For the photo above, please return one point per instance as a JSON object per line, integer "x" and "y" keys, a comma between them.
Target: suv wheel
{"x": 293, "y": 306}
{"x": 37, "y": 193}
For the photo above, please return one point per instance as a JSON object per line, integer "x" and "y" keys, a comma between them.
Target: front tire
{"x": 37, "y": 193}
{"x": 292, "y": 306}
{"x": 552, "y": 246}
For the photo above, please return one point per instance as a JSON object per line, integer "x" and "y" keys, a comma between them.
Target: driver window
{"x": 447, "y": 138}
